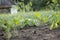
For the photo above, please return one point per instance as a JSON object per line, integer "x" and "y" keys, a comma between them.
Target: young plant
{"x": 55, "y": 20}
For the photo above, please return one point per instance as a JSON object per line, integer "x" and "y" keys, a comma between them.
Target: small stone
{"x": 34, "y": 32}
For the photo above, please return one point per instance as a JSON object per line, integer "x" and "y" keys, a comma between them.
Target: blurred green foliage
{"x": 41, "y": 4}
{"x": 23, "y": 19}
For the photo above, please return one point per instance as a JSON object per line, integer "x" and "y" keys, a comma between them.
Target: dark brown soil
{"x": 2, "y": 34}
{"x": 34, "y": 33}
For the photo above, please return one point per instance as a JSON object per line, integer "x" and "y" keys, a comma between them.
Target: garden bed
{"x": 34, "y": 33}
{"x": 20, "y": 26}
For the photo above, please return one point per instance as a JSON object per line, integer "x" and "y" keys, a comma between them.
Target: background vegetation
{"x": 41, "y": 4}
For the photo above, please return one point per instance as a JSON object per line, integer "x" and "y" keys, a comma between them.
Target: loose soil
{"x": 34, "y": 33}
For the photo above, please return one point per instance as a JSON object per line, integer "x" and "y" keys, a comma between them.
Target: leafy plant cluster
{"x": 55, "y": 21}
{"x": 20, "y": 20}
{"x": 52, "y": 19}
{"x": 8, "y": 22}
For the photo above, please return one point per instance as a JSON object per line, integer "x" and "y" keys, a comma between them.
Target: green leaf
{"x": 38, "y": 15}
{"x": 55, "y": 1}
{"x": 54, "y": 26}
